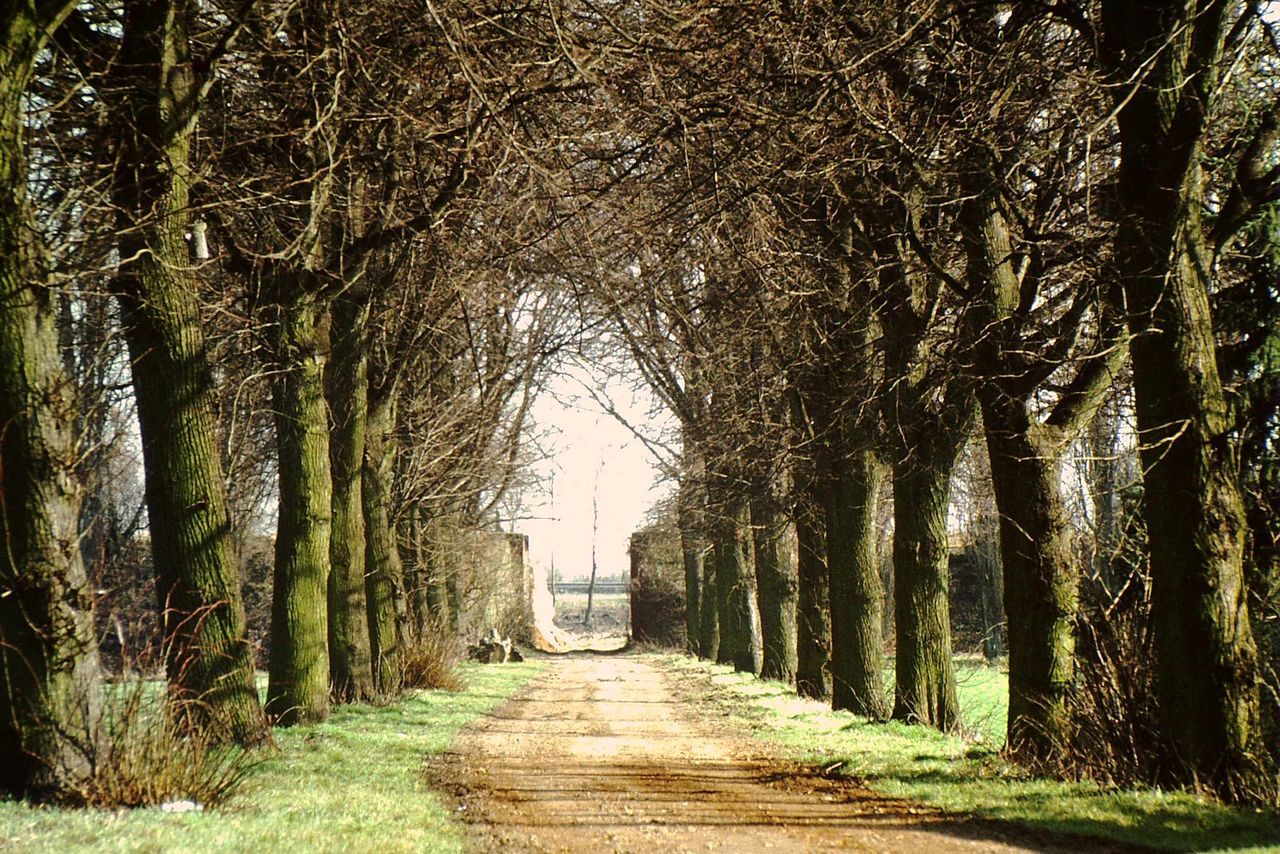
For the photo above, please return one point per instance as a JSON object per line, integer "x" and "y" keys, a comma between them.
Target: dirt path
{"x": 598, "y": 754}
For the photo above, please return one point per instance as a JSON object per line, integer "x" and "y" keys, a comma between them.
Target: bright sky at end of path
{"x": 588, "y": 451}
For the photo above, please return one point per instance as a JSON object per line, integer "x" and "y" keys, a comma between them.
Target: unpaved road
{"x": 598, "y": 754}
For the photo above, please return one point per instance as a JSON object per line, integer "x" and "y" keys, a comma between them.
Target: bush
{"x": 431, "y": 660}
{"x": 150, "y": 753}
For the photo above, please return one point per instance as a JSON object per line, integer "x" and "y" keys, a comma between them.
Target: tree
{"x": 156, "y": 88}
{"x": 1166, "y": 65}
{"x": 49, "y": 682}
{"x": 836, "y": 375}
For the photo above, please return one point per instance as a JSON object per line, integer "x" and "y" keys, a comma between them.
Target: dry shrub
{"x": 1117, "y": 738}
{"x": 430, "y": 660}
{"x": 151, "y": 753}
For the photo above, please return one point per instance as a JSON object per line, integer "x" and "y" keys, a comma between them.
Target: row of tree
{"x": 856, "y": 231}
{"x": 340, "y": 242}
{"x": 278, "y": 243}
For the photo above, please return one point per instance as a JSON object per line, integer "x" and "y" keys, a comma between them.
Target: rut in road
{"x": 599, "y": 754}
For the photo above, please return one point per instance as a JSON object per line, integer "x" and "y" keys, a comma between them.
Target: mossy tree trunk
{"x": 930, "y": 408}
{"x": 851, "y": 496}
{"x": 775, "y": 584}
{"x": 730, "y": 527}
{"x": 384, "y": 581}
{"x": 1206, "y": 660}
{"x": 197, "y": 579}
{"x": 709, "y": 618}
{"x": 925, "y": 685}
{"x": 1041, "y": 593}
{"x": 442, "y": 561}
{"x": 828, "y": 406}
{"x": 417, "y": 612}
{"x": 351, "y": 674}
{"x": 298, "y": 688}
{"x": 50, "y": 688}
{"x": 1041, "y": 580}
{"x": 689, "y": 507}
{"x": 813, "y": 621}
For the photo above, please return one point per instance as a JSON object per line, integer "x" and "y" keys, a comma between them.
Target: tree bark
{"x": 351, "y": 675}
{"x": 688, "y": 518}
{"x": 385, "y": 578}
{"x": 1041, "y": 580}
{"x": 813, "y": 622}
{"x": 930, "y": 408}
{"x": 775, "y": 585}
{"x": 1041, "y": 584}
{"x": 925, "y": 688}
{"x": 709, "y": 618}
{"x": 50, "y": 688}
{"x": 851, "y": 493}
{"x": 828, "y": 405}
{"x": 442, "y": 558}
{"x": 412, "y": 538}
{"x": 986, "y": 557}
{"x": 731, "y": 550}
{"x": 209, "y": 658}
{"x": 298, "y": 688}
{"x": 1206, "y": 659}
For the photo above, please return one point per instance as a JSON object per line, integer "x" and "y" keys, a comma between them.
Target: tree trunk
{"x": 385, "y": 579}
{"x": 1206, "y": 660}
{"x": 775, "y": 586}
{"x": 298, "y": 689}
{"x": 688, "y": 517}
{"x": 986, "y": 557}
{"x": 351, "y": 674}
{"x": 813, "y": 623}
{"x": 1025, "y": 448}
{"x": 731, "y": 550}
{"x": 197, "y": 579}
{"x": 50, "y": 689}
{"x": 709, "y": 618}
{"x": 1041, "y": 585}
{"x": 418, "y": 579}
{"x": 851, "y": 495}
{"x": 408, "y": 532}
{"x": 442, "y": 589}
{"x": 925, "y": 690}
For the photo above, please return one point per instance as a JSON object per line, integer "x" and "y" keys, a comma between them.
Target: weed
{"x": 150, "y": 754}
{"x": 431, "y": 661}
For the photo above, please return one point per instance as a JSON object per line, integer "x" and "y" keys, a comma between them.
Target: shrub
{"x": 431, "y": 660}
{"x": 150, "y": 753}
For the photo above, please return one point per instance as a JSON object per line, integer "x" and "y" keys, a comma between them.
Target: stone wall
{"x": 657, "y": 586}
{"x": 493, "y": 584}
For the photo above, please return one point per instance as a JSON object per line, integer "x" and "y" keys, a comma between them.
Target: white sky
{"x": 588, "y": 451}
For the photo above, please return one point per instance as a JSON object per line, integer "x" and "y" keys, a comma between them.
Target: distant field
{"x": 610, "y": 611}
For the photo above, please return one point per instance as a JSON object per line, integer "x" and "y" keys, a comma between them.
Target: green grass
{"x": 352, "y": 783}
{"x": 966, "y": 775}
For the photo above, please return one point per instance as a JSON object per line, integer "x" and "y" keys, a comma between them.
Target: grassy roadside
{"x": 966, "y": 775}
{"x": 353, "y": 783}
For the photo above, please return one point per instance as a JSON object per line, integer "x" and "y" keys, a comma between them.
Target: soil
{"x": 600, "y": 753}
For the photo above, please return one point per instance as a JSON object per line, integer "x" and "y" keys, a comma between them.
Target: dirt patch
{"x": 600, "y": 754}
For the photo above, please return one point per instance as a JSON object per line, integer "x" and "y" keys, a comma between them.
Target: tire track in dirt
{"x": 599, "y": 754}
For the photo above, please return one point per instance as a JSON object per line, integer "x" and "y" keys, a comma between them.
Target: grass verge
{"x": 353, "y": 783}
{"x": 966, "y": 775}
